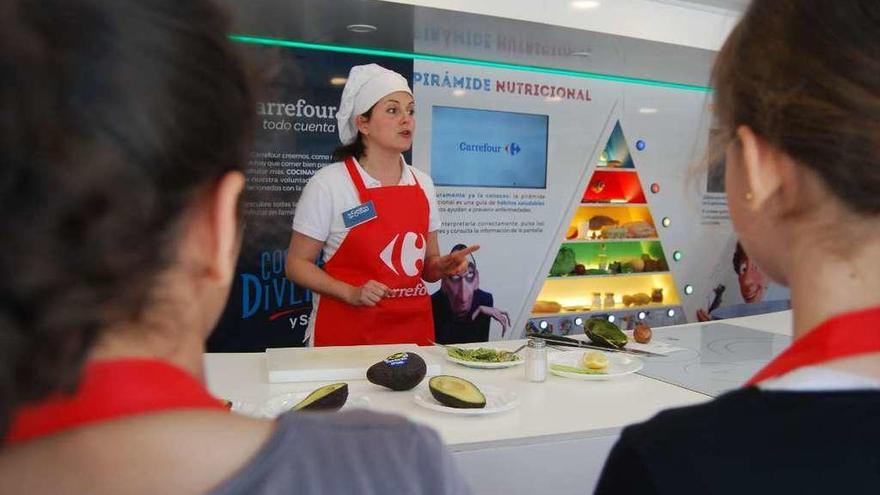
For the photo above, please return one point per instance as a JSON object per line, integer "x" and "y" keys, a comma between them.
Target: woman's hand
{"x": 455, "y": 263}
{"x": 368, "y": 294}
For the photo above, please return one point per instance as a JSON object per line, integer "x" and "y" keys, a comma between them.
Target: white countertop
{"x": 559, "y": 408}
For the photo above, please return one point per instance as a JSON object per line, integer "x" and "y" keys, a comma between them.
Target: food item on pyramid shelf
{"x": 609, "y": 300}
{"x": 595, "y": 360}
{"x": 452, "y": 391}
{"x": 652, "y": 265}
{"x": 602, "y": 332}
{"x": 639, "y": 299}
{"x": 599, "y": 221}
{"x": 327, "y": 398}
{"x": 597, "y": 186}
{"x": 571, "y": 233}
{"x": 613, "y": 233}
{"x": 596, "y": 271}
{"x": 546, "y": 307}
{"x": 401, "y": 371}
{"x": 576, "y": 309}
{"x": 564, "y": 262}
{"x": 642, "y": 333}
{"x": 614, "y": 164}
{"x": 657, "y": 295}
{"x": 482, "y": 355}
{"x": 639, "y": 230}
{"x": 579, "y": 269}
{"x": 638, "y": 265}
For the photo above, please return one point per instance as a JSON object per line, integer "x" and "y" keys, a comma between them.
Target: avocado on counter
{"x": 401, "y": 371}
{"x": 456, "y": 392}
{"x": 327, "y": 398}
{"x": 602, "y": 332}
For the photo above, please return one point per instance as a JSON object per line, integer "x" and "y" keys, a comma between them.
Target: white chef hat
{"x": 366, "y": 85}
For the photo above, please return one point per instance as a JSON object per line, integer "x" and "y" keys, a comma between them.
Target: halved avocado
{"x": 604, "y": 333}
{"x": 456, "y": 392}
{"x": 401, "y": 371}
{"x": 327, "y": 398}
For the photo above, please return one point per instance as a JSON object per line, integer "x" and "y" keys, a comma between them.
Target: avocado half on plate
{"x": 452, "y": 391}
{"x": 327, "y": 398}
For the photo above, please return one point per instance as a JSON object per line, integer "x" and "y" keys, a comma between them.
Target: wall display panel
{"x": 295, "y": 135}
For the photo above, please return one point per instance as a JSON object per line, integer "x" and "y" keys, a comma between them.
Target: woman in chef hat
{"x": 373, "y": 219}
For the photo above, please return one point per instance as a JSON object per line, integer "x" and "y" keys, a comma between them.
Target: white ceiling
{"x": 732, "y": 5}
{"x": 696, "y": 23}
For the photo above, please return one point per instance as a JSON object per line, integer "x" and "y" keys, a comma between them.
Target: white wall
{"x": 668, "y": 21}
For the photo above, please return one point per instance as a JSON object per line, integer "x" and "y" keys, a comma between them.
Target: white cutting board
{"x": 317, "y": 364}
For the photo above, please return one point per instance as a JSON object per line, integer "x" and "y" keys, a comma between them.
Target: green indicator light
{"x": 261, "y": 40}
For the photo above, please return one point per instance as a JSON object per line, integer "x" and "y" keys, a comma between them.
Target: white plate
{"x": 484, "y": 365}
{"x": 280, "y": 404}
{"x": 619, "y": 364}
{"x": 497, "y": 400}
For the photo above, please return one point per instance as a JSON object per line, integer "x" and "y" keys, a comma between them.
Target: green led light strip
{"x": 260, "y": 40}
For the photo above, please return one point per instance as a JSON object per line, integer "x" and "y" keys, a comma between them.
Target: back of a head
{"x": 115, "y": 114}
{"x": 805, "y": 76}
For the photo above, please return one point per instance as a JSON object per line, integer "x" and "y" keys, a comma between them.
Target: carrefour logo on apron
{"x": 410, "y": 249}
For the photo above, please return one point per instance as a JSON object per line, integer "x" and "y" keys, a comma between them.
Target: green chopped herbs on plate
{"x": 575, "y": 369}
{"x": 482, "y": 355}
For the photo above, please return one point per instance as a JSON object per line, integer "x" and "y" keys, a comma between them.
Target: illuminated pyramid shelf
{"x": 611, "y": 263}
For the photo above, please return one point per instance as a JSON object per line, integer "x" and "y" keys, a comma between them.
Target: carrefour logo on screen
{"x": 511, "y": 149}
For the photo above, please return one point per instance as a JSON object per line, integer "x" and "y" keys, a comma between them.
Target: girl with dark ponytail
{"x": 123, "y": 130}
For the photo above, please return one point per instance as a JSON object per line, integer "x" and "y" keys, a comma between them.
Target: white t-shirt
{"x": 330, "y": 192}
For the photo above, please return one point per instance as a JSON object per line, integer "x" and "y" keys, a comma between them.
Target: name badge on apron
{"x": 359, "y": 214}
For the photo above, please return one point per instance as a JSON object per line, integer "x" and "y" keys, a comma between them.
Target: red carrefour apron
{"x": 389, "y": 249}
{"x": 112, "y": 390}
{"x": 847, "y": 335}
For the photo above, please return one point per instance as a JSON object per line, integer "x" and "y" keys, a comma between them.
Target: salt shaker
{"x": 536, "y": 361}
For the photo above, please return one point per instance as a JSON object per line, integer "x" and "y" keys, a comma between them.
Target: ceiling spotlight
{"x": 543, "y": 325}
{"x": 611, "y": 318}
{"x": 648, "y": 110}
{"x": 670, "y": 313}
{"x": 338, "y": 80}
{"x": 642, "y": 315}
{"x": 578, "y": 321}
{"x": 585, "y": 4}
{"x": 362, "y": 28}
{"x": 666, "y": 222}
{"x": 688, "y": 289}
{"x": 677, "y": 256}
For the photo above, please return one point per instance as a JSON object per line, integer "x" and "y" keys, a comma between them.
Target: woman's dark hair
{"x": 115, "y": 114}
{"x": 739, "y": 257}
{"x": 355, "y": 148}
{"x": 805, "y": 76}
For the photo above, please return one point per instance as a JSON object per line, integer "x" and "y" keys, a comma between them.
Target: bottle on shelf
{"x": 609, "y": 300}
{"x": 603, "y": 257}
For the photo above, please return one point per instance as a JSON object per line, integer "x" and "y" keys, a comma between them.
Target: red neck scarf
{"x": 112, "y": 390}
{"x": 847, "y": 335}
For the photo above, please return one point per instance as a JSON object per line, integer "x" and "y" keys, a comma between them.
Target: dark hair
{"x": 115, "y": 114}
{"x": 805, "y": 76}
{"x": 739, "y": 257}
{"x": 355, "y": 148}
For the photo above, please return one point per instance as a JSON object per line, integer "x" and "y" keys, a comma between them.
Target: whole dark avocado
{"x": 327, "y": 398}
{"x": 401, "y": 371}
